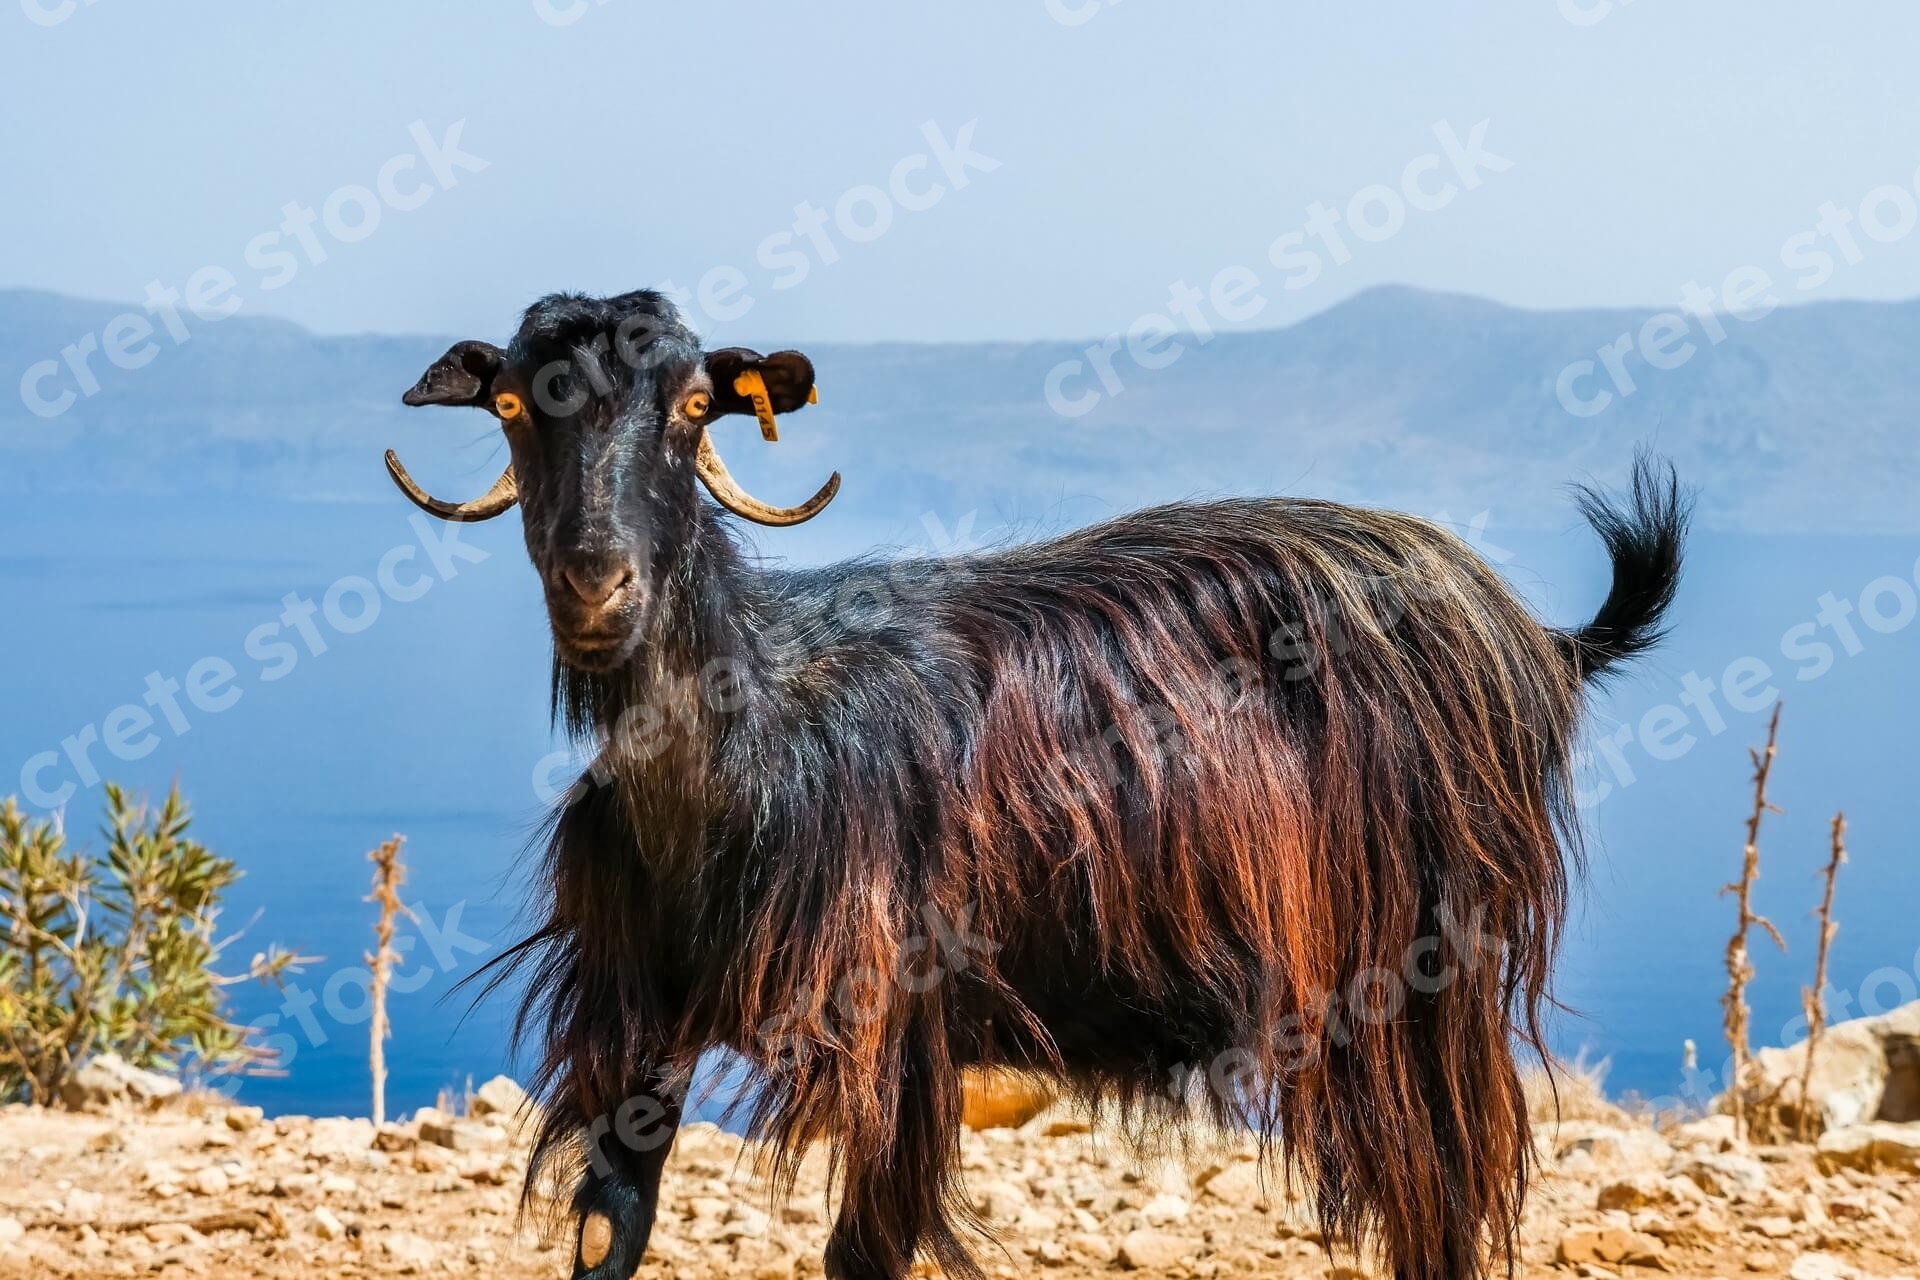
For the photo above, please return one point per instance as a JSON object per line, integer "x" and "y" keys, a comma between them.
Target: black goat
{"x": 1220, "y": 786}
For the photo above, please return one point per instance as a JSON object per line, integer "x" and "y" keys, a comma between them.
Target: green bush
{"x": 117, "y": 952}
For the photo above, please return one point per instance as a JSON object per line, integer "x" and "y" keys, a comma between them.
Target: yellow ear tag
{"x": 754, "y": 387}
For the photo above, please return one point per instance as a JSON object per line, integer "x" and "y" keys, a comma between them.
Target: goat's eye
{"x": 697, "y": 404}
{"x": 507, "y": 406}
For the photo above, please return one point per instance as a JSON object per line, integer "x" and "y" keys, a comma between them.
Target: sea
{"x": 345, "y": 674}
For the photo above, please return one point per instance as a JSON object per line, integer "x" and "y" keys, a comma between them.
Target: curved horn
{"x": 728, "y": 493}
{"x": 505, "y": 492}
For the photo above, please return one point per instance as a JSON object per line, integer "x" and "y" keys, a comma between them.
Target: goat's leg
{"x": 894, "y": 1202}
{"x": 616, "y": 1201}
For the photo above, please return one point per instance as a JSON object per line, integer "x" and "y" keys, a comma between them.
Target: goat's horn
{"x": 505, "y": 492}
{"x": 728, "y": 493}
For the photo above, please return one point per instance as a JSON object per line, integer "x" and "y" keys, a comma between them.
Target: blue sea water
{"x": 431, "y": 720}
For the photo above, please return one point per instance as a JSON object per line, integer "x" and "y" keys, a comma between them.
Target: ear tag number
{"x": 751, "y": 385}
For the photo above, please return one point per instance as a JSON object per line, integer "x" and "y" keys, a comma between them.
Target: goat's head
{"x": 606, "y": 405}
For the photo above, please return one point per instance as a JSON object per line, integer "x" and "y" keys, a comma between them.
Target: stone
{"x": 173, "y": 1235}
{"x": 501, "y": 1096}
{"x": 1872, "y": 1147}
{"x": 244, "y": 1119}
{"x": 1000, "y": 1201}
{"x": 1820, "y": 1266}
{"x": 1611, "y": 1146}
{"x": 1724, "y": 1174}
{"x": 409, "y": 1250}
{"x": 1065, "y": 1127}
{"x": 1165, "y": 1209}
{"x": 327, "y": 1225}
{"x": 1238, "y": 1185}
{"x": 1149, "y": 1250}
{"x": 334, "y": 1184}
{"x": 1092, "y": 1246}
{"x": 108, "y": 1079}
{"x": 462, "y": 1135}
{"x": 1711, "y": 1133}
{"x": 1609, "y": 1245}
{"x": 84, "y": 1206}
{"x": 340, "y": 1139}
{"x": 210, "y": 1181}
{"x": 1867, "y": 1069}
{"x": 11, "y": 1232}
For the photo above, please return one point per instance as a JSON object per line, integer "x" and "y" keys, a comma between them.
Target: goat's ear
{"x": 463, "y": 376}
{"x": 788, "y": 376}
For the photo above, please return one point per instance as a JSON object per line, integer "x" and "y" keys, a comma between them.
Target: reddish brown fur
{"x": 1225, "y": 787}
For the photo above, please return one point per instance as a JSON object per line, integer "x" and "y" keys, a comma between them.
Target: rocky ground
{"x": 188, "y": 1189}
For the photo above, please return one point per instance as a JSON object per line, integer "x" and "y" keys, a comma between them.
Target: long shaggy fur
{"x": 1272, "y": 793}
{"x": 1256, "y": 808}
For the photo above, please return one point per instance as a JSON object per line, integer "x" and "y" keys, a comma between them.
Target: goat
{"x": 1275, "y": 789}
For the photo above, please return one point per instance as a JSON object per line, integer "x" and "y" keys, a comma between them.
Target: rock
{"x": 1724, "y": 1174}
{"x": 173, "y": 1235}
{"x": 1000, "y": 1201}
{"x": 1867, "y": 1069}
{"x": 396, "y": 1138}
{"x": 1871, "y": 1147}
{"x": 500, "y": 1096}
{"x": 210, "y": 1181}
{"x": 11, "y": 1232}
{"x": 336, "y": 1185}
{"x": 109, "y": 1079}
{"x": 1609, "y": 1245}
{"x": 1647, "y": 1191}
{"x": 1066, "y": 1127}
{"x": 326, "y": 1225}
{"x": 1092, "y": 1246}
{"x": 1003, "y": 1099}
{"x": 1238, "y": 1185}
{"x": 1148, "y": 1250}
{"x": 244, "y": 1119}
{"x": 1820, "y": 1266}
{"x": 1633, "y": 1148}
{"x": 340, "y": 1139}
{"x": 743, "y": 1221}
{"x": 84, "y": 1206}
{"x": 1774, "y": 1227}
{"x": 462, "y": 1135}
{"x": 412, "y": 1252}
{"x": 1712, "y": 1133}
{"x": 1164, "y": 1209}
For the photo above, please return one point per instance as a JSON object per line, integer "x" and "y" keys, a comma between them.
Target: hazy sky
{"x": 1138, "y": 142}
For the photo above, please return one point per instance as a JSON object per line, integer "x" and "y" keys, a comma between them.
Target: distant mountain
{"x": 1805, "y": 420}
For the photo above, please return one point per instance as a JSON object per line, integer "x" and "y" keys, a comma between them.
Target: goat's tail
{"x": 1643, "y": 531}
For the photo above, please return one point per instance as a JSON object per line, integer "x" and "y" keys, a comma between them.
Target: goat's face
{"x": 605, "y": 404}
